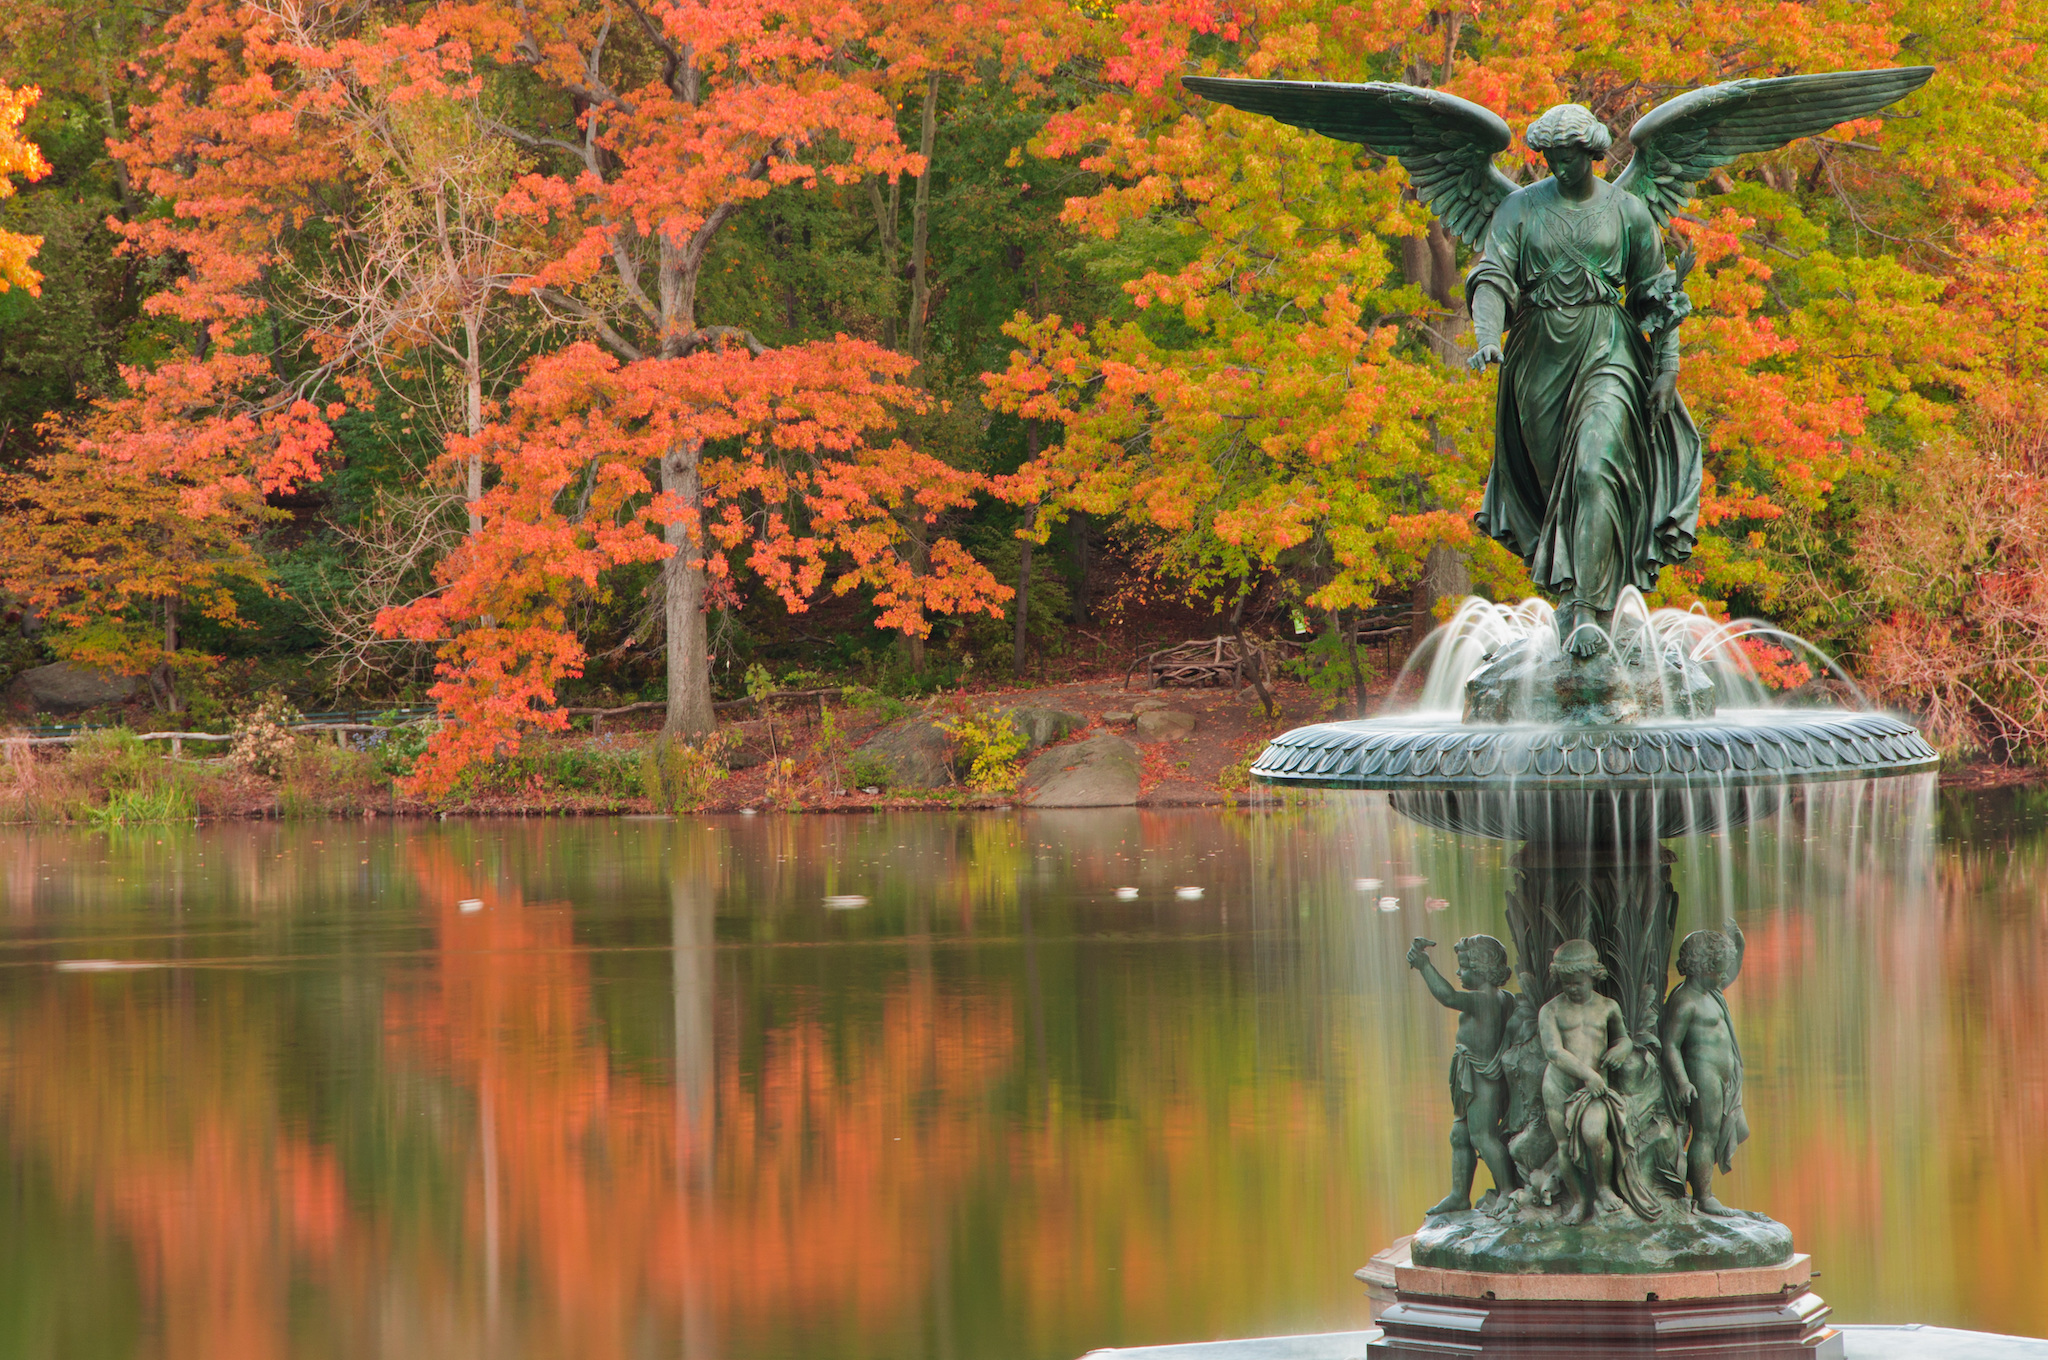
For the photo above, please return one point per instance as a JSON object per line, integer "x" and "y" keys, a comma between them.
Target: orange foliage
{"x": 150, "y": 501}
{"x": 18, "y": 156}
{"x": 742, "y": 99}
{"x": 805, "y": 491}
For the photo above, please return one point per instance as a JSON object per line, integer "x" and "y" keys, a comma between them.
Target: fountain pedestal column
{"x": 1604, "y": 1104}
{"x": 1596, "y": 1177}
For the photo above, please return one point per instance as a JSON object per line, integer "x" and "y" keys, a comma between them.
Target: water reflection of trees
{"x": 652, "y": 1098}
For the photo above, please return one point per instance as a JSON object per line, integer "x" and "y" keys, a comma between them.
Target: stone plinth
{"x": 1759, "y": 1313}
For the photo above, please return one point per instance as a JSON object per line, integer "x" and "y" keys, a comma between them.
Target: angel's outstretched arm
{"x": 1491, "y": 288}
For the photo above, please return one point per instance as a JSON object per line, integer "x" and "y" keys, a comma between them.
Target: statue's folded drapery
{"x": 1588, "y": 487}
{"x": 1628, "y": 1177}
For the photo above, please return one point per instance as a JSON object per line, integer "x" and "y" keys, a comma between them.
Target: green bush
{"x": 402, "y": 746}
{"x": 112, "y": 759}
{"x": 989, "y": 744}
{"x": 874, "y": 704}
{"x": 541, "y": 770}
{"x": 869, "y": 771}
{"x": 678, "y": 776}
{"x": 320, "y": 779}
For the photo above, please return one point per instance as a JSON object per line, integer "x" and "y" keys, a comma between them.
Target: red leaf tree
{"x": 653, "y": 134}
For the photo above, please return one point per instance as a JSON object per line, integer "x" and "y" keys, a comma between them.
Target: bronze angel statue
{"x": 1596, "y": 464}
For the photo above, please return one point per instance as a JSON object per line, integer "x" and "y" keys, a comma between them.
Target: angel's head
{"x": 1571, "y": 139}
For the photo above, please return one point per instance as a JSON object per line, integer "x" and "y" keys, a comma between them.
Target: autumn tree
{"x": 655, "y": 135}
{"x": 409, "y": 297}
{"x": 795, "y": 429}
{"x": 144, "y": 511}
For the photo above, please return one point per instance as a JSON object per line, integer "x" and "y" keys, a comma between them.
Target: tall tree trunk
{"x": 1349, "y": 637}
{"x": 170, "y": 649}
{"x": 920, "y": 566}
{"x": 1250, "y": 662}
{"x": 684, "y": 587}
{"x": 920, "y": 223}
{"x": 473, "y": 410}
{"x": 1084, "y": 565}
{"x": 885, "y": 206}
{"x": 1430, "y": 262}
{"x": 1444, "y": 572}
{"x": 1450, "y": 334}
{"x": 1019, "y": 641}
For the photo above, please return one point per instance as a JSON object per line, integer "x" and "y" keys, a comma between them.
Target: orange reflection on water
{"x": 651, "y": 1098}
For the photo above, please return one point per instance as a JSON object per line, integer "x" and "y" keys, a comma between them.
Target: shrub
{"x": 870, "y": 771}
{"x": 160, "y": 802}
{"x": 544, "y": 769}
{"x": 319, "y": 779}
{"x": 112, "y": 759}
{"x": 264, "y": 741}
{"x": 876, "y": 705}
{"x": 832, "y": 751}
{"x": 989, "y": 744}
{"x": 399, "y": 748}
{"x": 678, "y": 776}
{"x": 781, "y": 790}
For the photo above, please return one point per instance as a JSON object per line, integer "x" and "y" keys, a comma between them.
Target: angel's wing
{"x": 1446, "y": 144}
{"x": 1679, "y": 143}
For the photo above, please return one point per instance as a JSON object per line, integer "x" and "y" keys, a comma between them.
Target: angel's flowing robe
{"x": 1589, "y": 489}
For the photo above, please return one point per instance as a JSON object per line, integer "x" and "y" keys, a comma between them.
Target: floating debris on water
{"x": 1371, "y": 885}
{"x": 1390, "y": 904}
{"x": 1187, "y": 892}
{"x": 1436, "y": 903}
{"x": 1410, "y": 881}
{"x": 105, "y": 965}
{"x": 470, "y": 904}
{"x": 1127, "y": 894}
{"x": 746, "y": 812}
{"x": 845, "y": 902}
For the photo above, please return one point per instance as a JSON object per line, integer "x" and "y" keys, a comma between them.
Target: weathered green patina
{"x": 1596, "y": 464}
{"x": 1601, "y": 1105}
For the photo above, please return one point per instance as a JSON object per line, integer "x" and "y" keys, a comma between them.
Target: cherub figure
{"x": 1702, "y": 1059}
{"x": 1478, "y": 1082}
{"x": 1527, "y": 1131}
{"x": 1584, "y": 1036}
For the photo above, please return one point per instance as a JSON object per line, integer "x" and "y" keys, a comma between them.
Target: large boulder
{"x": 918, "y": 754}
{"x": 1102, "y": 771}
{"x": 64, "y": 688}
{"x": 1044, "y": 726}
{"x": 1161, "y": 724}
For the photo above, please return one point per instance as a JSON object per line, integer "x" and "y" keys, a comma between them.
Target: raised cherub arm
{"x": 1439, "y": 986}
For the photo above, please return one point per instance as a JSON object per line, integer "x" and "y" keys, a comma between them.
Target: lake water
{"x": 629, "y": 1088}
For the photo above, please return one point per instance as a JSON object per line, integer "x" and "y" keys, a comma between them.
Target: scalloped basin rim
{"x": 1792, "y": 746}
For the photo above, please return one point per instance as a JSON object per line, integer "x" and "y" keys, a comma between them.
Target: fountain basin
{"x": 1732, "y": 750}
